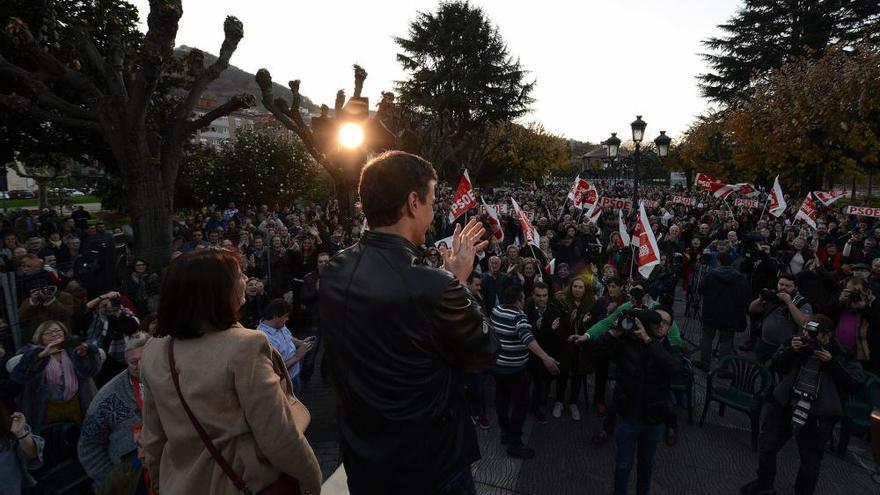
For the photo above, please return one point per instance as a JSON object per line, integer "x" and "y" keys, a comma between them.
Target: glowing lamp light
{"x": 351, "y": 135}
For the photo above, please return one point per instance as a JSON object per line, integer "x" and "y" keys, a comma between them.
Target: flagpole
{"x": 764, "y": 208}
{"x": 632, "y": 261}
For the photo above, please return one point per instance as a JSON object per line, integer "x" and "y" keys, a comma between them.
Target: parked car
{"x": 77, "y": 194}
{"x": 21, "y": 194}
{"x": 4, "y": 195}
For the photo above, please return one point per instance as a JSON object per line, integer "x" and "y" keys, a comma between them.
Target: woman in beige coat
{"x": 235, "y": 384}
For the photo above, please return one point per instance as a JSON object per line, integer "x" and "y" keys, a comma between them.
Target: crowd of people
{"x": 562, "y": 312}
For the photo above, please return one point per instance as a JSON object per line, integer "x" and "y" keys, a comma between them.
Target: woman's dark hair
{"x": 197, "y": 293}
{"x": 147, "y": 320}
{"x": 276, "y": 308}
{"x": 387, "y": 181}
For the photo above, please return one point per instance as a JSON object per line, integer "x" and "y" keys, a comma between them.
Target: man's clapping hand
{"x": 466, "y": 243}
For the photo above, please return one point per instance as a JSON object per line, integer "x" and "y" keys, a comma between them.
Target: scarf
{"x": 62, "y": 374}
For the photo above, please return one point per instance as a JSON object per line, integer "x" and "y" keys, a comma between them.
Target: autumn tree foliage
{"x": 814, "y": 119}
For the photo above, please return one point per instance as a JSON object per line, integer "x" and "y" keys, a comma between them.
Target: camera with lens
{"x": 855, "y": 297}
{"x": 627, "y": 320}
{"x": 810, "y": 342}
{"x": 769, "y": 296}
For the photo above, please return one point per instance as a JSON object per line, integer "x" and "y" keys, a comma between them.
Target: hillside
{"x": 234, "y": 80}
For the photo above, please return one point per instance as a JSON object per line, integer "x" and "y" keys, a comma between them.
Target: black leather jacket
{"x": 399, "y": 337}
{"x": 644, "y": 373}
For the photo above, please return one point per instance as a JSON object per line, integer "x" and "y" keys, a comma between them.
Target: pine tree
{"x": 462, "y": 80}
{"x": 765, "y": 34}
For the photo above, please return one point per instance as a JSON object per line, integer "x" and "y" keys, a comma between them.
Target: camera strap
{"x": 805, "y": 391}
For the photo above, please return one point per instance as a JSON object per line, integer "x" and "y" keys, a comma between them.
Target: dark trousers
{"x": 540, "y": 384}
{"x": 725, "y": 343}
{"x": 512, "y": 403}
{"x": 476, "y": 398}
{"x": 635, "y": 441}
{"x": 577, "y": 383}
{"x": 308, "y": 362}
{"x": 601, "y": 383}
{"x": 811, "y": 440}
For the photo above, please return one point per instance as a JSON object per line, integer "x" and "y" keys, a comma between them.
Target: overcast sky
{"x": 598, "y": 63}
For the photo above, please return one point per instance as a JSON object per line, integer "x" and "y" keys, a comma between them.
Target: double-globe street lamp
{"x": 638, "y": 126}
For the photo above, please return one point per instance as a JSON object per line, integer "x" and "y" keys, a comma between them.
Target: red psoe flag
{"x": 777, "y": 204}
{"x": 828, "y": 197}
{"x": 531, "y": 233}
{"x": 649, "y": 253}
{"x": 495, "y": 229}
{"x": 708, "y": 183}
{"x": 807, "y": 212}
{"x": 464, "y": 197}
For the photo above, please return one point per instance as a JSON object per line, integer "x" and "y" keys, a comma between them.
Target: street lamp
{"x": 638, "y": 132}
{"x": 612, "y": 147}
{"x": 662, "y": 143}
{"x": 351, "y": 135}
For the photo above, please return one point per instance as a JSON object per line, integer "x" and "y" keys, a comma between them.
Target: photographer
{"x": 854, "y": 320}
{"x": 44, "y": 302}
{"x": 638, "y": 297}
{"x": 817, "y": 372}
{"x": 111, "y": 325}
{"x": 645, "y": 362}
{"x": 782, "y": 313}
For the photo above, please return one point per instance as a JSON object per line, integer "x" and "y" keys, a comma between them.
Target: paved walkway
{"x": 714, "y": 459}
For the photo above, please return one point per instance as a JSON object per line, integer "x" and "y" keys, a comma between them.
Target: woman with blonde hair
{"x": 212, "y": 385}
{"x": 57, "y": 372}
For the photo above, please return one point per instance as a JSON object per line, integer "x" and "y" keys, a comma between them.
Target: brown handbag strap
{"x": 230, "y": 473}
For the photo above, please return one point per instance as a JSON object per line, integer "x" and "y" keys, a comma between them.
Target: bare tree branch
{"x": 290, "y": 118}
{"x": 26, "y": 106}
{"x": 43, "y": 94}
{"x": 157, "y": 47}
{"x": 360, "y": 75}
{"x": 114, "y": 84}
{"x": 237, "y": 102}
{"x": 52, "y": 66}
{"x": 233, "y": 33}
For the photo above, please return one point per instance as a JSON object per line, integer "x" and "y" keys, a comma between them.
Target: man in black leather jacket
{"x": 400, "y": 336}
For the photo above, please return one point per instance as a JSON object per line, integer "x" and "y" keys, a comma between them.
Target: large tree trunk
{"x": 150, "y": 202}
{"x": 43, "y": 194}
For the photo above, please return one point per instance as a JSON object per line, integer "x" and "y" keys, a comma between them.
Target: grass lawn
{"x": 31, "y": 203}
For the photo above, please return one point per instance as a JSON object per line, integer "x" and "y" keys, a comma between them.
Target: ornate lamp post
{"x": 612, "y": 147}
{"x": 638, "y": 132}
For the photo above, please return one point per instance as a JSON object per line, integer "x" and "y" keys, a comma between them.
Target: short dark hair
{"x": 474, "y": 274}
{"x": 512, "y": 294}
{"x": 276, "y": 308}
{"x": 666, "y": 309}
{"x": 616, "y": 281}
{"x": 788, "y": 276}
{"x": 387, "y": 181}
{"x": 197, "y": 294}
{"x": 541, "y": 285}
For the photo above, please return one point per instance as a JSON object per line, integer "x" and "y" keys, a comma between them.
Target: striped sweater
{"x": 513, "y": 331}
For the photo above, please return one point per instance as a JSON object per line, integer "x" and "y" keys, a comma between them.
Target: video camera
{"x": 627, "y": 319}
